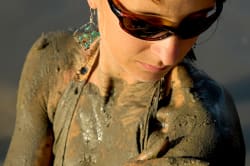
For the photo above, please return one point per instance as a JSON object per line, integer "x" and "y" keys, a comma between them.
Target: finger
{"x": 163, "y": 114}
{"x": 180, "y": 78}
{"x": 157, "y": 144}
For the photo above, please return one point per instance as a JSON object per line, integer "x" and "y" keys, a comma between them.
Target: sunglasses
{"x": 152, "y": 28}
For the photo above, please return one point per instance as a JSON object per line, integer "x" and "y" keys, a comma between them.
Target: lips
{"x": 152, "y": 68}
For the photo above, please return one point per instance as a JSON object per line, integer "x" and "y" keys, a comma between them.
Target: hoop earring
{"x": 87, "y": 33}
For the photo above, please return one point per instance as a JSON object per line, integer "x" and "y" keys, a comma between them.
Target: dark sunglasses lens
{"x": 146, "y": 30}
{"x": 142, "y": 29}
{"x": 190, "y": 28}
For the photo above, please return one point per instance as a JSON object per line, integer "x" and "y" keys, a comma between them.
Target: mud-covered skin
{"x": 198, "y": 126}
{"x": 50, "y": 65}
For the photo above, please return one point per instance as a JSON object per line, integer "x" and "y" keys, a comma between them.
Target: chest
{"x": 104, "y": 130}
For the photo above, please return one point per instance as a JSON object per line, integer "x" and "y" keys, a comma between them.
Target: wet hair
{"x": 221, "y": 1}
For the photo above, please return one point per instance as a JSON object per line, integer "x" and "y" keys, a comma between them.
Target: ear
{"x": 92, "y": 4}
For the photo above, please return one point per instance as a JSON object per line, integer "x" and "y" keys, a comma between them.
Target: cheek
{"x": 114, "y": 39}
{"x": 113, "y": 35}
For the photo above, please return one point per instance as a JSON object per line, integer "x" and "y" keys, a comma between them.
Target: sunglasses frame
{"x": 181, "y": 31}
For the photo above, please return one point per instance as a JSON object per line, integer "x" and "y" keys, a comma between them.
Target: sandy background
{"x": 225, "y": 56}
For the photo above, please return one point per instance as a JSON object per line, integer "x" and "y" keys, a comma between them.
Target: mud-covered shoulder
{"x": 218, "y": 102}
{"x": 211, "y": 94}
{"x": 50, "y": 65}
{"x": 58, "y": 51}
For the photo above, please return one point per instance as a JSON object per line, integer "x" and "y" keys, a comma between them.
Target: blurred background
{"x": 224, "y": 55}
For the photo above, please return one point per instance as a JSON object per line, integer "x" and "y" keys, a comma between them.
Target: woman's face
{"x": 133, "y": 59}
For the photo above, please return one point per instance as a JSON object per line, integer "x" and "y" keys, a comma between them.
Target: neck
{"x": 111, "y": 67}
{"x": 107, "y": 77}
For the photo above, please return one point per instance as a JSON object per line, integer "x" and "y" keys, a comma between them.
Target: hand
{"x": 170, "y": 117}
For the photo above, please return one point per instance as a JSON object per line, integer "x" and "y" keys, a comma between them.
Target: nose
{"x": 167, "y": 50}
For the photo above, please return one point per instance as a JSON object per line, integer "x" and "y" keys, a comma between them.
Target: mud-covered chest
{"x": 102, "y": 132}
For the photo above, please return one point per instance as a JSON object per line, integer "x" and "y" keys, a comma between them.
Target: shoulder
{"x": 56, "y": 48}
{"x": 218, "y": 102}
{"x": 51, "y": 63}
{"x": 213, "y": 98}
{"x": 59, "y": 51}
{"x": 208, "y": 108}
{"x": 50, "y": 56}
{"x": 204, "y": 88}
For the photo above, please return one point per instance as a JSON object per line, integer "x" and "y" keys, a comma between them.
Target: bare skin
{"x": 188, "y": 129}
{"x": 128, "y": 60}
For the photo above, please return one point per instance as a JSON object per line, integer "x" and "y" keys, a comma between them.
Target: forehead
{"x": 171, "y": 9}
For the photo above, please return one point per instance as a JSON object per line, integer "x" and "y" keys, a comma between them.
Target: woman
{"x": 129, "y": 97}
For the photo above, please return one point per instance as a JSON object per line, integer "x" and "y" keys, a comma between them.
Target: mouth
{"x": 152, "y": 68}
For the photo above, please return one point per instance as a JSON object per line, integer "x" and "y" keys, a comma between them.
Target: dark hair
{"x": 221, "y": 1}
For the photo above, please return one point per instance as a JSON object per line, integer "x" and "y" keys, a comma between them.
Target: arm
{"x": 31, "y": 142}
{"x": 50, "y": 65}
{"x": 233, "y": 145}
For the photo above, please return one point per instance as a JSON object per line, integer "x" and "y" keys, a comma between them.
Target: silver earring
{"x": 87, "y": 33}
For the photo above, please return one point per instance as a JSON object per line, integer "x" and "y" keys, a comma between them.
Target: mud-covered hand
{"x": 172, "y": 118}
